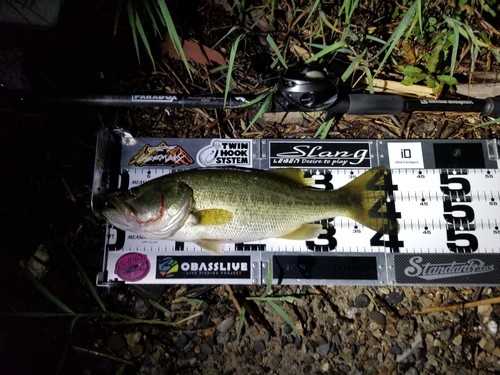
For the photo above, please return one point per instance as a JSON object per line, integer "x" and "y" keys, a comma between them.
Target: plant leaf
{"x": 285, "y": 316}
{"x": 47, "y": 293}
{"x": 232, "y": 57}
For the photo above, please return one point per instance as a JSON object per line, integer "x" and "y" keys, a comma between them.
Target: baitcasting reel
{"x": 309, "y": 87}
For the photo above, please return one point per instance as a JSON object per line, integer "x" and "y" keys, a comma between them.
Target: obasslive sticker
{"x": 211, "y": 267}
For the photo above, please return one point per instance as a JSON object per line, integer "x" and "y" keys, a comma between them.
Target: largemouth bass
{"x": 215, "y": 206}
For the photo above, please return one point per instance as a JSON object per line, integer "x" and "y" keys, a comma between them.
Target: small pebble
{"x": 323, "y": 348}
{"x": 202, "y": 356}
{"x": 396, "y": 350}
{"x": 377, "y": 317}
{"x": 206, "y": 349}
{"x": 225, "y": 325}
{"x": 445, "y": 335}
{"x": 393, "y": 298}
{"x": 391, "y": 331}
{"x": 362, "y": 300}
{"x": 182, "y": 341}
{"x": 259, "y": 346}
{"x": 457, "y": 340}
{"x": 485, "y": 310}
{"x": 492, "y": 327}
{"x": 287, "y": 329}
{"x": 133, "y": 338}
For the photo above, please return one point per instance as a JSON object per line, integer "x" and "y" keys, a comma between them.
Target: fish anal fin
{"x": 304, "y": 232}
{"x": 213, "y": 216}
{"x": 214, "y": 246}
{"x": 293, "y": 174}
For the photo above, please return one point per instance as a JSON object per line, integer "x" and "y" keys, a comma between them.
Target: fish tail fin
{"x": 366, "y": 201}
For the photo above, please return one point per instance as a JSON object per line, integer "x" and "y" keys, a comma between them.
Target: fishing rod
{"x": 301, "y": 88}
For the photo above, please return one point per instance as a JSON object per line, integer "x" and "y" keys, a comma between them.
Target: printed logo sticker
{"x": 202, "y": 266}
{"x": 405, "y": 155}
{"x": 222, "y": 152}
{"x": 167, "y": 266}
{"x": 132, "y": 267}
{"x": 162, "y": 154}
{"x": 319, "y": 155}
{"x": 447, "y": 268}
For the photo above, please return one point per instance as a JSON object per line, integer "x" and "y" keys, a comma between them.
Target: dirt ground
{"x": 46, "y": 167}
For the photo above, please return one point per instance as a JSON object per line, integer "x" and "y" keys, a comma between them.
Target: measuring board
{"x": 445, "y": 195}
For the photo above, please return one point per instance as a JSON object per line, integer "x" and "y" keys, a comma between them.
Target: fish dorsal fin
{"x": 213, "y": 216}
{"x": 304, "y": 232}
{"x": 293, "y": 174}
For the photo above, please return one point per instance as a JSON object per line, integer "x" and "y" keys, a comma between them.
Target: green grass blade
{"x": 351, "y": 68}
{"x": 131, "y": 20}
{"x": 454, "y": 51}
{"x": 152, "y": 18}
{"x": 88, "y": 282}
{"x": 144, "y": 38}
{"x": 285, "y": 316}
{"x": 326, "y": 50}
{"x": 160, "y": 307}
{"x": 258, "y": 99}
{"x": 47, "y": 293}
{"x": 487, "y": 123}
{"x": 396, "y": 36}
{"x": 324, "y": 129}
{"x": 312, "y": 10}
{"x": 172, "y": 32}
{"x": 260, "y": 113}
{"x": 276, "y": 50}
{"x": 241, "y": 321}
{"x": 232, "y": 57}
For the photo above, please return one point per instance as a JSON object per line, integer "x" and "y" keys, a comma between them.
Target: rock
{"x": 393, "y": 298}
{"x": 445, "y": 335}
{"x": 377, "y": 317}
{"x": 206, "y": 348}
{"x": 485, "y": 310}
{"x": 323, "y": 347}
{"x": 137, "y": 350}
{"x": 396, "y": 350}
{"x": 496, "y": 352}
{"x": 325, "y": 367}
{"x": 287, "y": 329}
{"x": 492, "y": 327}
{"x": 487, "y": 345}
{"x": 223, "y": 338}
{"x": 116, "y": 343}
{"x": 361, "y": 300}
{"x": 133, "y": 338}
{"x": 182, "y": 341}
{"x": 259, "y": 346}
{"x": 391, "y": 331}
{"x": 457, "y": 340}
{"x": 225, "y": 325}
{"x": 496, "y": 310}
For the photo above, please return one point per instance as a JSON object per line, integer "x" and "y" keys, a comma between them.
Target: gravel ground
{"x": 46, "y": 168}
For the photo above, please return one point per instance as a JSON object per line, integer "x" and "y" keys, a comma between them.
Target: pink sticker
{"x": 132, "y": 267}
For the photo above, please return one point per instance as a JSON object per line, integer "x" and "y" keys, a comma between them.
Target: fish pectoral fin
{"x": 304, "y": 232}
{"x": 296, "y": 175}
{"x": 215, "y": 246}
{"x": 213, "y": 216}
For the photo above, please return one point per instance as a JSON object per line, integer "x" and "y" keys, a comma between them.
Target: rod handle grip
{"x": 369, "y": 104}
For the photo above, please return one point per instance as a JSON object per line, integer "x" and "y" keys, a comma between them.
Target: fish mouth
{"x": 118, "y": 211}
